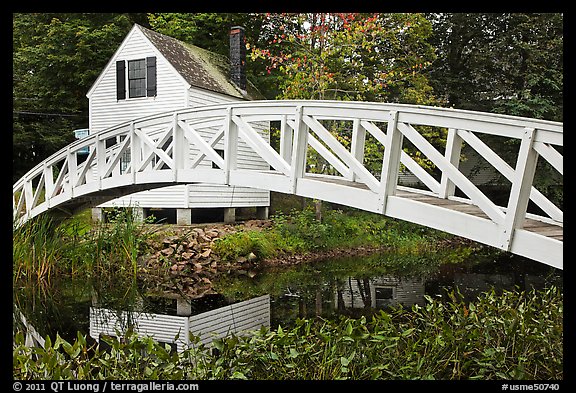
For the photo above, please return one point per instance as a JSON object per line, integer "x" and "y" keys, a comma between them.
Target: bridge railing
{"x": 181, "y": 147}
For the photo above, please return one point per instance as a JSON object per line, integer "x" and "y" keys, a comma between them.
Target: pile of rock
{"x": 183, "y": 260}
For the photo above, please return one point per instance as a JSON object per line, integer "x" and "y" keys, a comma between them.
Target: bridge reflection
{"x": 355, "y": 296}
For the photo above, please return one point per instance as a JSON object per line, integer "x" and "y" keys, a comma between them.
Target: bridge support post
{"x": 262, "y": 212}
{"x": 97, "y": 214}
{"x": 139, "y": 214}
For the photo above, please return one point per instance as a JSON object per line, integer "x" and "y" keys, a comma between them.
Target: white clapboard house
{"x": 152, "y": 73}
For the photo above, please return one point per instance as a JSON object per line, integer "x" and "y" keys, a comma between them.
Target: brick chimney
{"x": 238, "y": 57}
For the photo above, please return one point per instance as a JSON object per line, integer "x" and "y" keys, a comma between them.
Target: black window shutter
{"x": 120, "y": 80}
{"x": 150, "y": 76}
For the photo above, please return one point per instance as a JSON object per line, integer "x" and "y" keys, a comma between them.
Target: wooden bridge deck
{"x": 550, "y": 230}
{"x": 539, "y": 227}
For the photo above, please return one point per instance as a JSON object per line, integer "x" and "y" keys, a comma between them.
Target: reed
{"x": 37, "y": 249}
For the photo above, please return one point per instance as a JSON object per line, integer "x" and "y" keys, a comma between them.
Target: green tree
{"x": 56, "y": 58}
{"x": 363, "y": 57}
{"x": 375, "y": 57}
{"x": 510, "y": 63}
{"x": 506, "y": 63}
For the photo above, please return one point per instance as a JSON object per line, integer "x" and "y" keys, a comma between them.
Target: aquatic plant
{"x": 506, "y": 336}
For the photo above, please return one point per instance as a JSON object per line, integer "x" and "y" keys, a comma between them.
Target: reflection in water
{"x": 335, "y": 293}
{"x": 236, "y": 318}
{"x": 380, "y": 292}
{"x": 352, "y": 287}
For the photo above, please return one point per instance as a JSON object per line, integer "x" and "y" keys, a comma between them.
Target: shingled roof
{"x": 199, "y": 67}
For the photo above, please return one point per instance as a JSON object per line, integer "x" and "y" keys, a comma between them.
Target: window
{"x": 384, "y": 296}
{"x": 138, "y": 77}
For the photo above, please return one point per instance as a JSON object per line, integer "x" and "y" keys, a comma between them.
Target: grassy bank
{"x": 43, "y": 248}
{"x": 301, "y": 233}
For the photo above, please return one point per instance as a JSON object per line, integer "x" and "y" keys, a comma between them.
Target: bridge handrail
{"x": 547, "y": 131}
{"x": 302, "y": 126}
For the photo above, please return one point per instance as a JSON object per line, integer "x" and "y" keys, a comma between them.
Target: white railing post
{"x": 72, "y": 171}
{"x": 390, "y": 162}
{"x": 452, "y": 154}
{"x": 100, "y": 159}
{"x": 299, "y": 149}
{"x": 28, "y": 195}
{"x": 135, "y": 153}
{"x": 521, "y": 187}
{"x": 231, "y": 144}
{"x": 48, "y": 183}
{"x": 179, "y": 147}
{"x": 116, "y": 169}
{"x": 286, "y": 139}
{"x": 358, "y": 142}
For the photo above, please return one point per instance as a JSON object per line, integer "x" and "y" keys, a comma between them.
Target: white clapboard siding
{"x": 172, "y": 197}
{"x": 238, "y": 319}
{"x": 202, "y": 97}
{"x": 208, "y": 195}
{"x": 106, "y": 110}
{"x": 201, "y": 195}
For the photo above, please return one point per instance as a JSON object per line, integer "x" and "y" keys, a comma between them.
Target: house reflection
{"x": 380, "y": 292}
{"x": 175, "y": 328}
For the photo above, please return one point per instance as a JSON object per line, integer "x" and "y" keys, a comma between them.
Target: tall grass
{"x": 116, "y": 245}
{"x": 43, "y": 247}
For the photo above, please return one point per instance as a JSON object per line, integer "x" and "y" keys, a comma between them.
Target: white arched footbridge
{"x": 176, "y": 148}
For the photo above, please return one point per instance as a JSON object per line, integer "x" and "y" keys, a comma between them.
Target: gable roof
{"x": 199, "y": 67}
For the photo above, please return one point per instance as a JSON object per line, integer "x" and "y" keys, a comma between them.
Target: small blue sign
{"x": 82, "y": 133}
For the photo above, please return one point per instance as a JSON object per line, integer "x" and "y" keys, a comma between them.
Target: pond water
{"x": 351, "y": 286}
